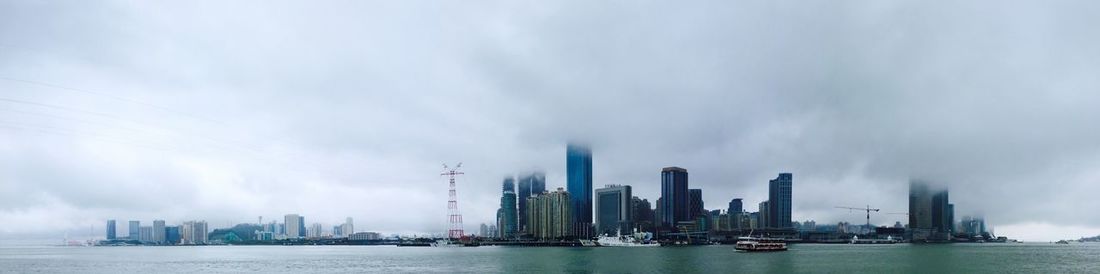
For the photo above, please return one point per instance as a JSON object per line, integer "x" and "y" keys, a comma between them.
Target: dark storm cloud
{"x": 335, "y": 109}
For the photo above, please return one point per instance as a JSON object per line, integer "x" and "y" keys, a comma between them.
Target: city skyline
{"x": 223, "y": 112}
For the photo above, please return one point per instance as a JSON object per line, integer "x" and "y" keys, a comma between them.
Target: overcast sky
{"x": 206, "y": 110}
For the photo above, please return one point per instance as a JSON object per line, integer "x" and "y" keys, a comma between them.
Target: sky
{"x": 228, "y": 111}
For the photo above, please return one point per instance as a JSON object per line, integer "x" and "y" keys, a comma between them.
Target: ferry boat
{"x": 752, "y": 244}
{"x": 635, "y": 240}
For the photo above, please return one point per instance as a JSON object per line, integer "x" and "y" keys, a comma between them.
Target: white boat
{"x": 752, "y": 244}
{"x": 857, "y": 240}
{"x": 634, "y": 240}
{"x": 446, "y": 243}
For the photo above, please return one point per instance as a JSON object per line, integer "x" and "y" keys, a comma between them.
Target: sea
{"x": 801, "y": 258}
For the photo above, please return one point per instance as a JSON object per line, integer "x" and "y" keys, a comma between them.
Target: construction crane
{"x": 867, "y": 208}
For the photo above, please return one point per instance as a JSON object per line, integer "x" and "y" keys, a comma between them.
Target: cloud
{"x": 227, "y": 111}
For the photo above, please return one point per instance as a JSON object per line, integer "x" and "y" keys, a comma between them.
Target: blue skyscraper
{"x": 110, "y": 229}
{"x": 506, "y": 221}
{"x": 578, "y": 164}
{"x": 674, "y": 202}
{"x": 172, "y": 235}
{"x": 135, "y": 230}
{"x": 301, "y": 226}
{"x": 779, "y": 198}
{"x": 532, "y": 184}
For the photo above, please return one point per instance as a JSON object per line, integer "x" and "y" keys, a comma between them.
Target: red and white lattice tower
{"x": 453, "y": 217}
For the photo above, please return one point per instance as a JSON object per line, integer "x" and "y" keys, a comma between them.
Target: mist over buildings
{"x": 229, "y": 111}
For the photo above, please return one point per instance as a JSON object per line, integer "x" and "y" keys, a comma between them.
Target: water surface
{"x": 802, "y": 258}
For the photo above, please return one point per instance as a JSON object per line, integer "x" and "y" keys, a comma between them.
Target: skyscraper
{"x": 507, "y": 219}
{"x": 578, "y": 164}
{"x": 172, "y": 235}
{"x": 735, "y": 206}
{"x": 347, "y": 228}
{"x": 735, "y": 209}
{"x": 135, "y": 230}
{"x": 293, "y": 226}
{"x": 158, "y": 231}
{"x": 614, "y": 210}
{"x": 548, "y": 215}
{"x": 695, "y": 202}
{"x": 193, "y": 233}
{"x": 674, "y": 204}
{"x": 509, "y": 184}
{"x": 779, "y": 201}
{"x": 301, "y": 226}
{"x": 643, "y": 215}
{"x": 764, "y": 218}
{"x": 532, "y": 184}
{"x": 929, "y": 212}
{"x": 111, "y": 230}
{"x": 146, "y": 234}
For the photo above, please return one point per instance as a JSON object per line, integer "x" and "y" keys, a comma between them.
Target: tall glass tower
{"x": 674, "y": 196}
{"x": 779, "y": 196}
{"x": 507, "y": 223}
{"x": 578, "y": 164}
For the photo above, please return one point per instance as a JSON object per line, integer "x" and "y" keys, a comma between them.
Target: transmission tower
{"x": 454, "y": 218}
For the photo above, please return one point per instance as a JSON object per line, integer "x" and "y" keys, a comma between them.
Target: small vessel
{"x": 634, "y": 240}
{"x": 445, "y": 243}
{"x": 857, "y": 240}
{"x": 754, "y": 244}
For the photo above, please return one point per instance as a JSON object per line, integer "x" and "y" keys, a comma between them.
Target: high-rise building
{"x": 735, "y": 209}
{"x": 549, "y": 216}
{"x": 614, "y": 210}
{"x": 765, "y": 216}
{"x": 578, "y": 165}
{"x": 193, "y": 233}
{"x": 695, "y": 202}
{"x": 316, "y": 230}
{"x": 111, "y": 230}
{"x": 735, "y": 206}
{"x": 146, "y": 234}
{"x": 293, "y": 226}
{"x": 172, "y": 235}
{"x": 347, "y": 228}
{"x": 301, "y": 226}
{"x": 642, "y": 214}
{"x": 158, "y": 231}
{"x": 484, "y": 231}
{"x": 532, "y": 184}
{"x": 929, "y": 212}
{"x": 134, "y": 230}
{"x": 779, "y": 200}
{"x": 507, "y": 219}
{"x": 509, "y": 184}
{"x": 674, "y": 204}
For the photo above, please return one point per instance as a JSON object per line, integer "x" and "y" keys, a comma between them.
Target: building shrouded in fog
{"x": 930, "y": 212}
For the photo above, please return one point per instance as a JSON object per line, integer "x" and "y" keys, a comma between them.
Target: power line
{"x": 115, "y": 97}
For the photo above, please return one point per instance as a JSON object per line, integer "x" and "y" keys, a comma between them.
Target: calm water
{"x": 804, "y": 258}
